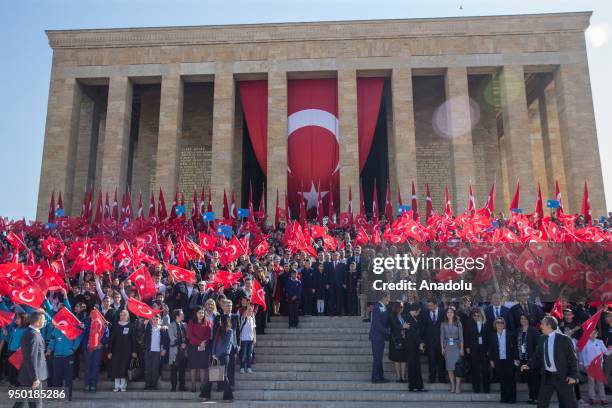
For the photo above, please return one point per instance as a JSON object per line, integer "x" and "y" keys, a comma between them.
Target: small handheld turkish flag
{"x": 67, "y": 323}
{"x": 16, "y": 358}
{"x": 141, "y": 309}
{"x": 258, "y": 295}
{"x": 180, "y": 274}
{"x": 96, "y": 330}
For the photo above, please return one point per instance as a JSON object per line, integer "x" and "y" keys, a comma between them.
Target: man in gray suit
{"x": 33, "y": 369}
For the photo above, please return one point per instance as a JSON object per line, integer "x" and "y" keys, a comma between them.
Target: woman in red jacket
{"x": 199, "y": 332}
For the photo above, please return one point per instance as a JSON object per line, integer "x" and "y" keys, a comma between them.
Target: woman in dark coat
{"x": 122, "y": 349}
{"x": 476, "y": 347}
{"x": 397, "y": 341}
{"x": 527, "y": 342}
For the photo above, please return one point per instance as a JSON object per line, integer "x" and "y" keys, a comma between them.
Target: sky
{"x": 25, "y": 65}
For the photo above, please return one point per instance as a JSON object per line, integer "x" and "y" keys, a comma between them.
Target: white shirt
{"x": 501, "y": 337}
{"x": 551, "y": 353}
{"x": 247, "y": 333}
{"x": 160, "y": 287}
{"x": 155, "y": 338}
{"x": 592, "y": 349}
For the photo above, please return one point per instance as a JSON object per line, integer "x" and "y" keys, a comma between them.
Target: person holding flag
{"x": 95, "y": 337}
{"x": 591, "y": 359}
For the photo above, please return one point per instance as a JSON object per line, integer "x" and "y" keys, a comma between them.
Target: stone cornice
{"x": 321, "y": 31}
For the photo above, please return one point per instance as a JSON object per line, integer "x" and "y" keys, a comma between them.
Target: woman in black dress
{"x": 122, "y": 349}
{"x": 397, "y": 342}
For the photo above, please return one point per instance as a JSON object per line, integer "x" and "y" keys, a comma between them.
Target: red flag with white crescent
{"x": 313, "y": 137}
{"x": 180, "y": 274}
{"x": 96, "y": 330}
{"x": 67, "y": 323}
{"x": 141, "y": 309}
{"x": 258, "y": 295}
{"x": 587, "y": 329}
{"x": 144, "y": 283}
{"x": 30, "y": 295}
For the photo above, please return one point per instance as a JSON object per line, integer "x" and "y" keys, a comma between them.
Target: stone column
{"x": 276, "y": 173}
{"x": 117, "y": 135}
{"x": 169, "y": 135}
{"x": 516, "y": 135}
{"x": 579, "y": 137}
{"x": 61, "y": 132}
{"x": 537, "y": 148}
{"x": 460, "y": 132}
{"x": 402, "y": 141}
{"x": 222, "y": 137}
{"x": 553, "y": 151}
{"x": 348, "y": 138}
{"x": 82, "y": 156}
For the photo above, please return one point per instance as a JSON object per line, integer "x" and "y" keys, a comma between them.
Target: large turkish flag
{"x": 312, "y": 129}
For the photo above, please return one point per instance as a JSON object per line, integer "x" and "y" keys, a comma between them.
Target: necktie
{"x": 546, "y": 356}
{"x": 496, "y": 312}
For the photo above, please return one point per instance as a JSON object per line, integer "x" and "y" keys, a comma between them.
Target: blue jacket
{"x": 293, "y": 288}
{"x": 14, "y": 336}
{"x": 379, "y": 327}
{"x": 222, "y": 345}
{"x": 62, "y": 346}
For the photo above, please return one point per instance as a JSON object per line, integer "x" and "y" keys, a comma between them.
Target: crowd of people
{"x": 494, "y": 341}
{"x": 128, "y": 296}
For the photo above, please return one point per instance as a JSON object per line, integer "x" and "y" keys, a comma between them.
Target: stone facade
{"x": 190, "y": 129}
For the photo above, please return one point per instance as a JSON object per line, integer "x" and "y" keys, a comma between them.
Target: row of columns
{"x": 572, "y": 96}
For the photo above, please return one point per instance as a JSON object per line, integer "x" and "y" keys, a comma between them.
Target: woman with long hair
{"x": 451, "y": 339}
{"x": 397, "y": 342}
{"x": 527, "y": 342}
{"x": 221, "y": 348}
{"x": 199, "y": 331}
{"x": 122, "y": 349}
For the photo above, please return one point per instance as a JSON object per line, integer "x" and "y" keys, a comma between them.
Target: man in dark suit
{"x": 379, "y": 332}
{"x": 495, "y": 310}
{"x": 556, "y": 358}
{"x": 337, "y": 278}
{"x": 432, "y": 317}
{"x": 524, "y": 307}
{"x": 33, "y": 369}
{"x": 308, "y": 287}
{"x": 156, "y": 346}
{"x": 503, "y": 356}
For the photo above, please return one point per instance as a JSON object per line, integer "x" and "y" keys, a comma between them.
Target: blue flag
{"x": 403, "y": 208}
{"x": 59, "y": 212}
{"x": 179, "y": 210}
{"x": 243, "y": 212}
{"x": 517, "y": 210}
{"x": 224, "y": 230}
{"x": 552, "y": 203}
{"x": 208, "y": 216}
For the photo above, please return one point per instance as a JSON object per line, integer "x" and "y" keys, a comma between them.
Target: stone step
{"x": 293, "y": 350}
{"x": 313, "y": 358}
{"x": 361, "y": 396}
{"x": 320, "y": 324}
{"x": 268, "y": 342}
{"x": 331, "y": 367}
{"x": 294, "y": 334}
{"x": 113, "y": 402}
{"x": 306, "y": 331}
{"x": 315, "y": 383}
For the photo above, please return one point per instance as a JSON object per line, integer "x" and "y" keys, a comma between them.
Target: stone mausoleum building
{"x": 470, "y": 99}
